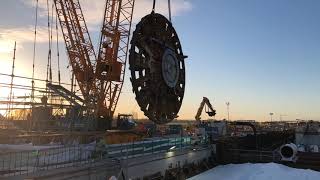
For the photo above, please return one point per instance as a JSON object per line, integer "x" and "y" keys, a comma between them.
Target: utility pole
{"x": 228, "y": 104}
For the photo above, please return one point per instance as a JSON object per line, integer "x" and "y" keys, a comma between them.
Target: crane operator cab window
{"x": 109, "y": 68}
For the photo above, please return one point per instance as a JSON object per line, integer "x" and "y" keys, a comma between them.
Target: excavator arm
{"x": 211, "y": 112}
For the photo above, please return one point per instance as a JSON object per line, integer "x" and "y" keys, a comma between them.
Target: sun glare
{"x": 6, "y": 46}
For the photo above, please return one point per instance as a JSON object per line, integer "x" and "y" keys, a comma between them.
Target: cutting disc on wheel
{"x": 157, "y": 68}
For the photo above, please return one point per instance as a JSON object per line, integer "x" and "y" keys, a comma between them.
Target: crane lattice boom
{"x": 78, "y": 43}
{"x": 100, "y": 77}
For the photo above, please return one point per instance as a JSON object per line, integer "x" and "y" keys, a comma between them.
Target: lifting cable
{"x": 153, "y": 6}
{"x": 51, "y": 29}
{"x": 169, "y": 8}
{"x": 34, "y": 51}
{"x": 49, "y": 38}
{"x": 58, "y": 54}
{"x": 50, "y": 48}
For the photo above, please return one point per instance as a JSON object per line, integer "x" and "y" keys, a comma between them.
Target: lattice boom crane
{"x": 100, "y": 77}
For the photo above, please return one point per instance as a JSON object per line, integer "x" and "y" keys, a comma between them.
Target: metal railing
{"x": 27, "y": 162}
{"x": 243, "y": 155}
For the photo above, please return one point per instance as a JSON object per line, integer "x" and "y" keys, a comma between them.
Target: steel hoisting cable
{"x": 34, "y": 50}
{"x": 51, "y": 29}
{"x": 169, "y": 7}
{"x": 153, "y": 6}
{"x": 49, "y": 42}
{"x": 58, "y": 54}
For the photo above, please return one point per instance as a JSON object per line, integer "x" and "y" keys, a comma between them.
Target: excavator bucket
{"x": 213, "y": 113}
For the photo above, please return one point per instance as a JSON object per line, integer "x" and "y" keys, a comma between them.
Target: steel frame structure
{"x": 78, "y": 43}
{"x": 101, "y": 77}
{"x": 116, "y": 29}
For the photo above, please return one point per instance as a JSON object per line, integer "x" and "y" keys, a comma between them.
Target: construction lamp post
{"x": 228, "y": 104}
{"x": 271, "y": 114}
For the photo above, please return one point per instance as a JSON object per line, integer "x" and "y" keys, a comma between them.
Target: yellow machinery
{"x": 127, "y": 130}
{"x": 210, "y": 111}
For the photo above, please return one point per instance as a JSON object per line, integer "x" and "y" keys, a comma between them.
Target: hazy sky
{"x": 261, "y": 56}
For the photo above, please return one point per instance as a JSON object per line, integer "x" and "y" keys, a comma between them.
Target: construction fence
{"x": 31, "y": 161}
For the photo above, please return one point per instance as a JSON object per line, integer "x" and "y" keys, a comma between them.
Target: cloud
{"x": 93, "y": 9}
{"x": 42, "y": 4}
{"x": 144, "y": 7}
{"x": 23, "y": 35}
{"x": 5, "y": 46}
{"x": 93, "y": 13}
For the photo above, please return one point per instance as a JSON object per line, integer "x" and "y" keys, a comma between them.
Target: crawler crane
{"x": 99, "y": 74}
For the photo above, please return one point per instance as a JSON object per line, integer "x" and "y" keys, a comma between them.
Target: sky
{"x": 261, "y": 56}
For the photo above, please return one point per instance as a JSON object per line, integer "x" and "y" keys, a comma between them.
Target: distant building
{"x": 308, "y": 136}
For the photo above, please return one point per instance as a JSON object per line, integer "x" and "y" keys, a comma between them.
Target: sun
{"x": 6, "y": 46}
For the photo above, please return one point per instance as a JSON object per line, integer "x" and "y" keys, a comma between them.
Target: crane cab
{"x": 110, "y": 71}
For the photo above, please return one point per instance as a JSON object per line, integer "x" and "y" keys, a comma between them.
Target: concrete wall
{"x": 148, "y": 165}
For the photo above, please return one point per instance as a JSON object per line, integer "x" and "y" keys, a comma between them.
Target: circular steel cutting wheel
{"x": 157, "y": 68}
